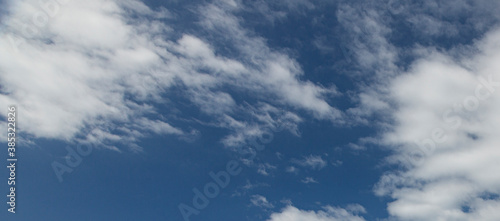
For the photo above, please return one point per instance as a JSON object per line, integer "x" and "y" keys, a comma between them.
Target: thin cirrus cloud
{"x": 265, "y": 169}
{"x": 261, "y": 201}
{"x": 309, "y": 180}
{"x": 312, "y": 161}
{"x": 73, "y": 75}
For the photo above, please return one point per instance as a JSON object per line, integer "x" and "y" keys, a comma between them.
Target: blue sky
{"x": 315, "y": 110}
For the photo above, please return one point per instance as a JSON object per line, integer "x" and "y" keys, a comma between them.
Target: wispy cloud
{"x": 292, "y": 169}
{"x": 313, "y": 161}
{"x": 260, "y": 201}
{"x": 72, "y": 75}
{"x": 309, "y": 180}
{"x": 249, "y": 186}
{"x": 265, "y": 169}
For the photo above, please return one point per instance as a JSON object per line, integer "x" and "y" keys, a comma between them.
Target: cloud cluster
{"x": 439, "y": 105}
{"x": 107, "y": 70}
{"x": 445, "y": 135}
{"x": 102, "y": 68}
{"x": 432, "y": 19}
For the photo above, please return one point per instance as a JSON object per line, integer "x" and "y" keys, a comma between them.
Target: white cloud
{"x": 260, "y": 201}
{"x": 74, "y": 71}
{"x": 432, "y": 26}
{"x": 292, "y": 169}
{"x": 446, "y": 19}
{"x": 447, "y": 114}
{"x": 374, "y": 58}
{"x": 268, "y": 120}
{"x": 309, "y": 180}
{"x": 243, "y": 190}
{"x": 106, "y": 64}
{"x": 265, "y": 169}
{"x": 291, "y": 213}
{"x": 337, "y": 163}
{"x": 369, "y": 46}
{"x": 356, "y": 147}
{"x": 432, "y": 103}
{"x": 275, "y": 72}
{"x": 312, "y": 161}
{"x": 275, "y": 10}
